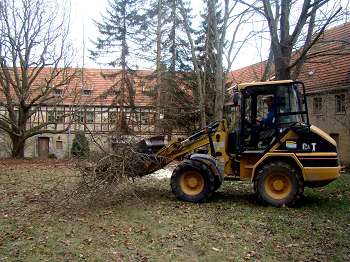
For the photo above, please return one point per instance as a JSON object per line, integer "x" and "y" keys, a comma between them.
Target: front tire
{"x": 278, "y": 184}
{"x": 192, "y": 181}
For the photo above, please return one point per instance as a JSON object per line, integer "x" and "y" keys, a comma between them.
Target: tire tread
{"x": 209, "y": 181}
{"x": 292, "y": 171}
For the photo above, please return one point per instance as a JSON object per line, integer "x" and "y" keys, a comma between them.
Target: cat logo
{"x": 308, "y": 147}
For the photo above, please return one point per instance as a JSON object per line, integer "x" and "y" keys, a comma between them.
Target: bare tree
{"x": 294, "y": 27}
{"x": 233, "y": 18}
{"x": 34, "y": 61}
{"x": 219, "y": 21}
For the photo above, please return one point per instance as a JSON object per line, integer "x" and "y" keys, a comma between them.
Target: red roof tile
{"x": 102, "y": 83}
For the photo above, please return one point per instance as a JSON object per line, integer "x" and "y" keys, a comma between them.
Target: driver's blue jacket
{"x": 270, "y": 119}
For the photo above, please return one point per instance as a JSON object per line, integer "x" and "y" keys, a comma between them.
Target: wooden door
{"x": 43, "y": 147}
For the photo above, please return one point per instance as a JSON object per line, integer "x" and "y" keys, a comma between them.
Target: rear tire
{"x": 192, "y": 181}
{"x": 278, "y": 184}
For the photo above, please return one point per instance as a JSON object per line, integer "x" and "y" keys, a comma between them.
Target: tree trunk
{"x": 173, "y": 38}
{"x": 219, "y": 38}
{"x": 18, "y": 144}
{"x": 123, "y": 124}
{"x": 159, "y": 66}
{"x": 196, "y": 67}
{"x": 282, "y": 70}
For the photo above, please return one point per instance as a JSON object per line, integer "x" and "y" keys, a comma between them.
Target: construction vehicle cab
{"x": 266, "y": 139}
{"x": 265, "y": 109}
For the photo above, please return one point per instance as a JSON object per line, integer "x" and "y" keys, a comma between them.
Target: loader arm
{"x": 175, "y": 150}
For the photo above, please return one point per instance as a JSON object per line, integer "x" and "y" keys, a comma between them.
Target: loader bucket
{"x": 148, "y": 148}
{"x": 150, "y": 145}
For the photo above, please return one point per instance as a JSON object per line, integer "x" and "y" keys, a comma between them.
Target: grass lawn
{"x": 144, "y": 221}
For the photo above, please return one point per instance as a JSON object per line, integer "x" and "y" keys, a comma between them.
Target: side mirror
{"x": 236, "y": 98}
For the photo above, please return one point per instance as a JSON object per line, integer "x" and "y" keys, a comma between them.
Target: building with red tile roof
{"x": 91, "y": 102}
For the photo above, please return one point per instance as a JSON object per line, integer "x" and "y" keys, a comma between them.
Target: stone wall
{"x": 60, "y": 144}
{"x": 336, "y": 124}
{"x": 5, "y": 145}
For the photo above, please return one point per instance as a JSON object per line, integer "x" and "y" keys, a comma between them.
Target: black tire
{"x": 197, "y": 170}
{"x": 278, "y": 184}
{"x": 217, "y": 183}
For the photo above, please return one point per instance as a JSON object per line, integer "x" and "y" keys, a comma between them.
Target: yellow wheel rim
{"x": 278, "y": 186}
{"x": 192, "y": 183}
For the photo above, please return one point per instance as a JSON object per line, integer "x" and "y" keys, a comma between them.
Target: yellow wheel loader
{"x": 272, "y": 146}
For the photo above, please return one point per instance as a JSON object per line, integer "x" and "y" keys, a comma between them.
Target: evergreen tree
{"x": 179, "y": 75}
{"x": 172, "y": 61}
{"x": 80, "y": 145}
{"x": 207, "y": 54}
{"x": 117, "y": 46}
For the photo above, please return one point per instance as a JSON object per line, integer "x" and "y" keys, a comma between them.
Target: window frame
{"x": 58, "y": 92}
{"x": 89, "y": 114}
{"x": 86, "y": 90}
{"x": 340, "y": 100}
{"x": 59, "y": 142}
{"x": 317, "y": 106}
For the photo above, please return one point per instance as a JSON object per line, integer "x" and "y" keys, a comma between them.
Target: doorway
{"x": 43, "y": 147}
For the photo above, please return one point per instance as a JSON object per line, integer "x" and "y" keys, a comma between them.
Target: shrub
{"x": 52, "y": 156}
{"x": 80, "y": 145}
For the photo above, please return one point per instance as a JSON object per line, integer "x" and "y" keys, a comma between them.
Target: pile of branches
{"x": 125, "y": 162}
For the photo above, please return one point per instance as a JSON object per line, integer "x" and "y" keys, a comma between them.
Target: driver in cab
{"x": 269, "y": 120}
{"x": 264, "y": 128}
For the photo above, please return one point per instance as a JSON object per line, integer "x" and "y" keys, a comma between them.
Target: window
{"x": 57, "y": 92}
{"x": 59, "y": 144}
{"x": 317, "y": 105}
{"x": 79, "y": 117}
{"x": 87, "y": 117}
{"x": 340, "y": 103}
{"x": 59, "y": 117}
{"x": 55, "y": 116}
{"x": 262, "y": 108}
{"x": 51, "y": 116}
{"x": 90, "y": 117}
{"x": 143, "y": 86}
{"x": 290, "y": 106}
{"x": 112, "y": 117}
{"x": 145, "y": 118}
{"x": 86, "y": 92}
{"x": 103, "y": 95}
